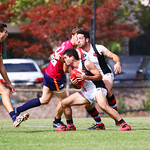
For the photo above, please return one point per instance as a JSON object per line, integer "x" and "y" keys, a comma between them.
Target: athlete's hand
{"x": 11, "y": 88}
{"x": 117, "y": 68}
{"x": 74, "y": 81}
{"x": 57, "y": 56}
{"x": 81, "y": 77}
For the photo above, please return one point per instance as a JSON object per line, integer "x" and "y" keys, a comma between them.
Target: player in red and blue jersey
{"x": 5, "y": 92}
{"x": 53, "y": 82}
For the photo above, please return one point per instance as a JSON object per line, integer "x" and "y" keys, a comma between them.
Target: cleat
{"x": 125, "y": 128}
{"x": 97, "y": 127}
{"x": 20, "y": 119}
{"x": 117, "y": 123}
{"x": 55, "y": 125}
{"x": 65, "y": 128}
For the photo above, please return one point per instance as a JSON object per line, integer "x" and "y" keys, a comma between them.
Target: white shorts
{"x": 90, "y": 92}
{"x": 111, "y": 75}
{"x": 90, "y": 95}
{"x": 102, "y": 90}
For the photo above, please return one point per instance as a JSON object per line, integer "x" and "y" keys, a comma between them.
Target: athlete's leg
{"x": 61, "y": 95}
{"x": 93, "y": 112}
{"x": 75, "y": 99}
{"x": 44, "y": 99}
{"x": 108, "y": 80}
{"x": 5, "y": 95}
{"x": 102, "y": 102}
{"x": 46, "y": 95}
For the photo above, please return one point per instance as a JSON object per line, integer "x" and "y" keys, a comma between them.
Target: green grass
{"x": 39, "y": 135}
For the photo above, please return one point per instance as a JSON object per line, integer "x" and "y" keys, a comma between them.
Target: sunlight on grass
{"x": 39, "y": 134}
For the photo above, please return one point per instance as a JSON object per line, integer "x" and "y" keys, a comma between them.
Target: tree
{"x": 110, "y": 27}
{"x": 48, "y": 23}
{"x": 6, "y": 12}
{"x": 138, "y": 14}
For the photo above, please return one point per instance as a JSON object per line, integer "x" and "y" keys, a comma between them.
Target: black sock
{"x": 57, "y": 120}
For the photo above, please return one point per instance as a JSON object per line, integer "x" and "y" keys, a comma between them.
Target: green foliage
{"x": 115, "y": 47}
{"x": 143, "y": 15}
{"x": 147, "y": 102}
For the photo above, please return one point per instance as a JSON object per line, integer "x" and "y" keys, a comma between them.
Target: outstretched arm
{"x": 116, "y": 59}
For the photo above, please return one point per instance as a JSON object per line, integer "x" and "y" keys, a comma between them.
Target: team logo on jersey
{"x": 83, "y": 55}
{"x": 61, "y": 86}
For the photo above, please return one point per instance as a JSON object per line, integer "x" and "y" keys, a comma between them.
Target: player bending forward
{"x": 93, "y": 90}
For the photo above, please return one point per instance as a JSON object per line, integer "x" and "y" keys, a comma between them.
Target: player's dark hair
{"x": 2, "y": 26}
{"x": 71, "y": 52}
{"x": 84, "y": 32}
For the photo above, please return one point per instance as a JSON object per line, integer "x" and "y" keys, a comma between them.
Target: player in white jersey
{"x": 97, "y": 54}
{"x": 94, "y": 91}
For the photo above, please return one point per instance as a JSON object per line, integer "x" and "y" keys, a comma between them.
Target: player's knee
{"x": 5, "y": 92}
{"x": 44, "y": 101}
{"x": 88, "y": 107}
{"x": 64, "y": 104}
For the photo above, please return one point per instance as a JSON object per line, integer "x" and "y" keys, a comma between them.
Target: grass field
{"x": 39, "y": 135}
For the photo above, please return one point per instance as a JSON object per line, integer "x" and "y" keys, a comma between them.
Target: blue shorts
{"x": 52, "y": 84}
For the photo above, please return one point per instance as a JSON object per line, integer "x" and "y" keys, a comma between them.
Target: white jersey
{"x": 89, "y": 89}
{"x": 92, "y": 57}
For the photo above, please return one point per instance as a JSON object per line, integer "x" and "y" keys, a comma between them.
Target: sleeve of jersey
{"x": 63, "y": 47}
{"x": 101, "y": 49}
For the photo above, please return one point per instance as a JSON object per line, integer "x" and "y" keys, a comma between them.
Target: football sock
{"x": 122, "y": 123}
{"x": 112, "y": 102}
{"x": 95, "y": 115}
{"x": 70, "y": 124}
{"x": 13, "y": 115}
{"x": 30, "y": 104}
{"x": 57, "y": 120}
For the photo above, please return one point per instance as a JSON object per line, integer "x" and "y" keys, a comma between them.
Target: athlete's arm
{"x": 92, "y": 68}
{"x": 59, "y": 57}
{"x": 115, "y": 58}
{"x": 5, "y": 76}
{"x": 66, "y": 68}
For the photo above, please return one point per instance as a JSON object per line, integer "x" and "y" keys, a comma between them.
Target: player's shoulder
{"x": 67, "y": 42}
{"x": 98, "y": 46}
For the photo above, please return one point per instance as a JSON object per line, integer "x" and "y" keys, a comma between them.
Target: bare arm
{"x": 116, "y": 59}
{"x": 66, "y": 68}
{"x": 5, "y": 76}
{"x": 59, "y": 57}
{"x": 92, "y": 68}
